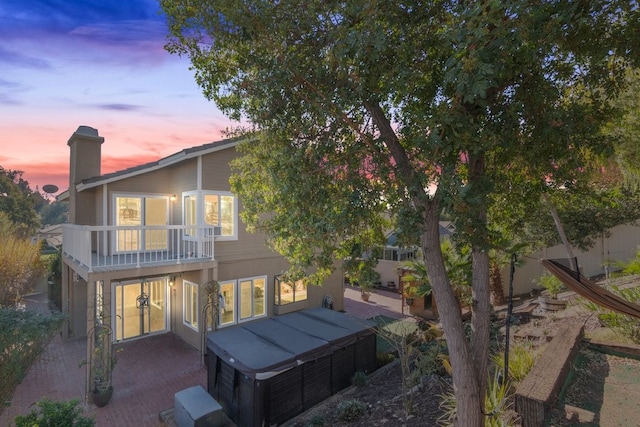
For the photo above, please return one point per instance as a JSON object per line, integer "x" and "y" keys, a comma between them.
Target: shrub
{"x": 359, "y": 379}
{"x": 55, "y": 414}
{"x": 318, "y": 420}
{"x": 622, "y": 324}
{"x": 551, "y": 283}
{"x": 350, "y": 410}
{"x": 23, "y": 336}
{"x": 522, "y": 357}
{"x": 497, "y": 403}
{"x": 383, "y": 358}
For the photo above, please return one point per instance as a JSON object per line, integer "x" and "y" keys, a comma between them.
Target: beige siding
{"x": 216, "y": 170}
{"x": 248, "y": 256}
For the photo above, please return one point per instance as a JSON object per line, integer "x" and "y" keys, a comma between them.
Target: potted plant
{"x": 101, "y": 365}
{"x": 553, "y": 286}
{"x": 415, "y": 282}
{"x": 102, "y": 359}
{"x": 409, "y": 291}
{"x": 361, "y": 272}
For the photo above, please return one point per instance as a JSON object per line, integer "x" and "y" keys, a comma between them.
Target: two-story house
{"x": 141, "y": 244}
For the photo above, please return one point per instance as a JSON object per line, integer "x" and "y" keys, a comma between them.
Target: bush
{"x": 359, "y": 379}
{"x": 23, "y": 336}
{"x": 522, "y": 357}
{"x": 55, "y": 414}
{"x": 318, "y": 420}
{"x": 350, "y": 410}
{"x": 626, "y": 326}
{"x": 551, "y": 283}
{"x": 384, "y": 358}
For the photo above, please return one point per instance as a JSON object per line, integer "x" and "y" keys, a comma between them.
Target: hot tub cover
{"x": 267, "y": 347}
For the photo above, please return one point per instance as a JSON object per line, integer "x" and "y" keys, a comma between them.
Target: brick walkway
{"x": 381, "y": 302}
{"x": 148, "y": 373}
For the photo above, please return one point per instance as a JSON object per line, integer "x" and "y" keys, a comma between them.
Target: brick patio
{"x": 148, "y": 373}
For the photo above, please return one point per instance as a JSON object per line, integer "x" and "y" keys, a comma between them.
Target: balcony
{"x": 101, "y": 248}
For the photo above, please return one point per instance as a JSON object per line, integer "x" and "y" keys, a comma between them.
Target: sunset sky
{"x": 99, "y": 63}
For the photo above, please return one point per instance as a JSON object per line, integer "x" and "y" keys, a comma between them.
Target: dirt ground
{"x": 608, "y": 386}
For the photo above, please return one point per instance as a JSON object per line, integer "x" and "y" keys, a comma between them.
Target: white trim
{"x": 185, "y": 284}
{"x": 143, "y": 197}
{"x": 239, "y": 298}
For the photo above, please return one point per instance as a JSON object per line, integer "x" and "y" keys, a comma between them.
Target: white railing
{"x": 134, "y": 246}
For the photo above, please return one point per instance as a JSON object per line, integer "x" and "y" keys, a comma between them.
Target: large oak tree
{"x": 363, "y": 110}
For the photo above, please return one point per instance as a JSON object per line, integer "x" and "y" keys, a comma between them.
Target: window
{"x": 139, "y": 211}
{"x": 242, "y": 300}
{"x": 287, "y": 293}
{"x": 395, "y": 254}
{"x": 190, "y": 211}
{"x": 227, "y": 302}
{"x": 220, "y": 210}
{"x": 190, "y": 309}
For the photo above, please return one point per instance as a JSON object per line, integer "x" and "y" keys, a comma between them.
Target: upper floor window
{"x": 287, "y": 293}
{"x": 219, "y": 209}
{"x": 135, "y": 212}
{"x": 190, "y": 213}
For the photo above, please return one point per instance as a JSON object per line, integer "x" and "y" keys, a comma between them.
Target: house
{"x": 391, "y": 257}
{"x": 143, "y": 245}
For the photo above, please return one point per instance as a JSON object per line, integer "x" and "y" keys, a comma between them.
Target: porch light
{"x": 173, "y": 198}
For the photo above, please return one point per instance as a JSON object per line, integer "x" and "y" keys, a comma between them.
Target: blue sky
{"x": 99, "y": 63}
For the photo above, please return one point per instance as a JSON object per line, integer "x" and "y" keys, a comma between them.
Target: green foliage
{"x": 55, "y": 414}
{"x": 318, "y": 420}
{"x": 361, "y": 272}
{"x": 54, "y": 213}
{"x": 383, "y": 358}
{"x": 551, "y": 283}
{"x": 457, "y": 262}
{"x": 431, "y": 359}
{"x": 359, "y": 379}
{"x": 365, "y": 119}
{"x": 20, "y": 266}
{"x": 53, "y": 265}
{"x": 586, "y": 212}
{"x": 23, "y": 336}
{"x": 631, "y": 266}
{"x": 497, "y": 403}
{"x": 18, "y": 202}
{"x": 522, "y": 357}
{"x": 626, "y": 326}
{"x": 350, "y": 410}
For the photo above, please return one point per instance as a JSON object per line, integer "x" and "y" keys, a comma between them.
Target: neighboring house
{"x": 142, "y": 243}
{"x": 393, "y": 255}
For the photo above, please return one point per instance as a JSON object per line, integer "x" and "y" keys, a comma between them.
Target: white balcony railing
{"x": 134, "y": 246}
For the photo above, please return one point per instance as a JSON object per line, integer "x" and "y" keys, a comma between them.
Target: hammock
{"x": 590, "y": 290}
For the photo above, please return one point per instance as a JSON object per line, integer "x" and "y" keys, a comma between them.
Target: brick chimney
{"x": 86, "y": 150}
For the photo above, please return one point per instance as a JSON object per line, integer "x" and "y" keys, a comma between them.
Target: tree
{"x": 54, "y": 213}
{"x": 362, "y": 109}
{"x": 20, "y": 264}
{"x": 18, "y": 202}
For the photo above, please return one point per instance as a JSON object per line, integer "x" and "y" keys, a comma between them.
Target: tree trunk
{"x": 481, "y": 305}
{"x": 481, "y": 317}
{"x": 465, "y": 379}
